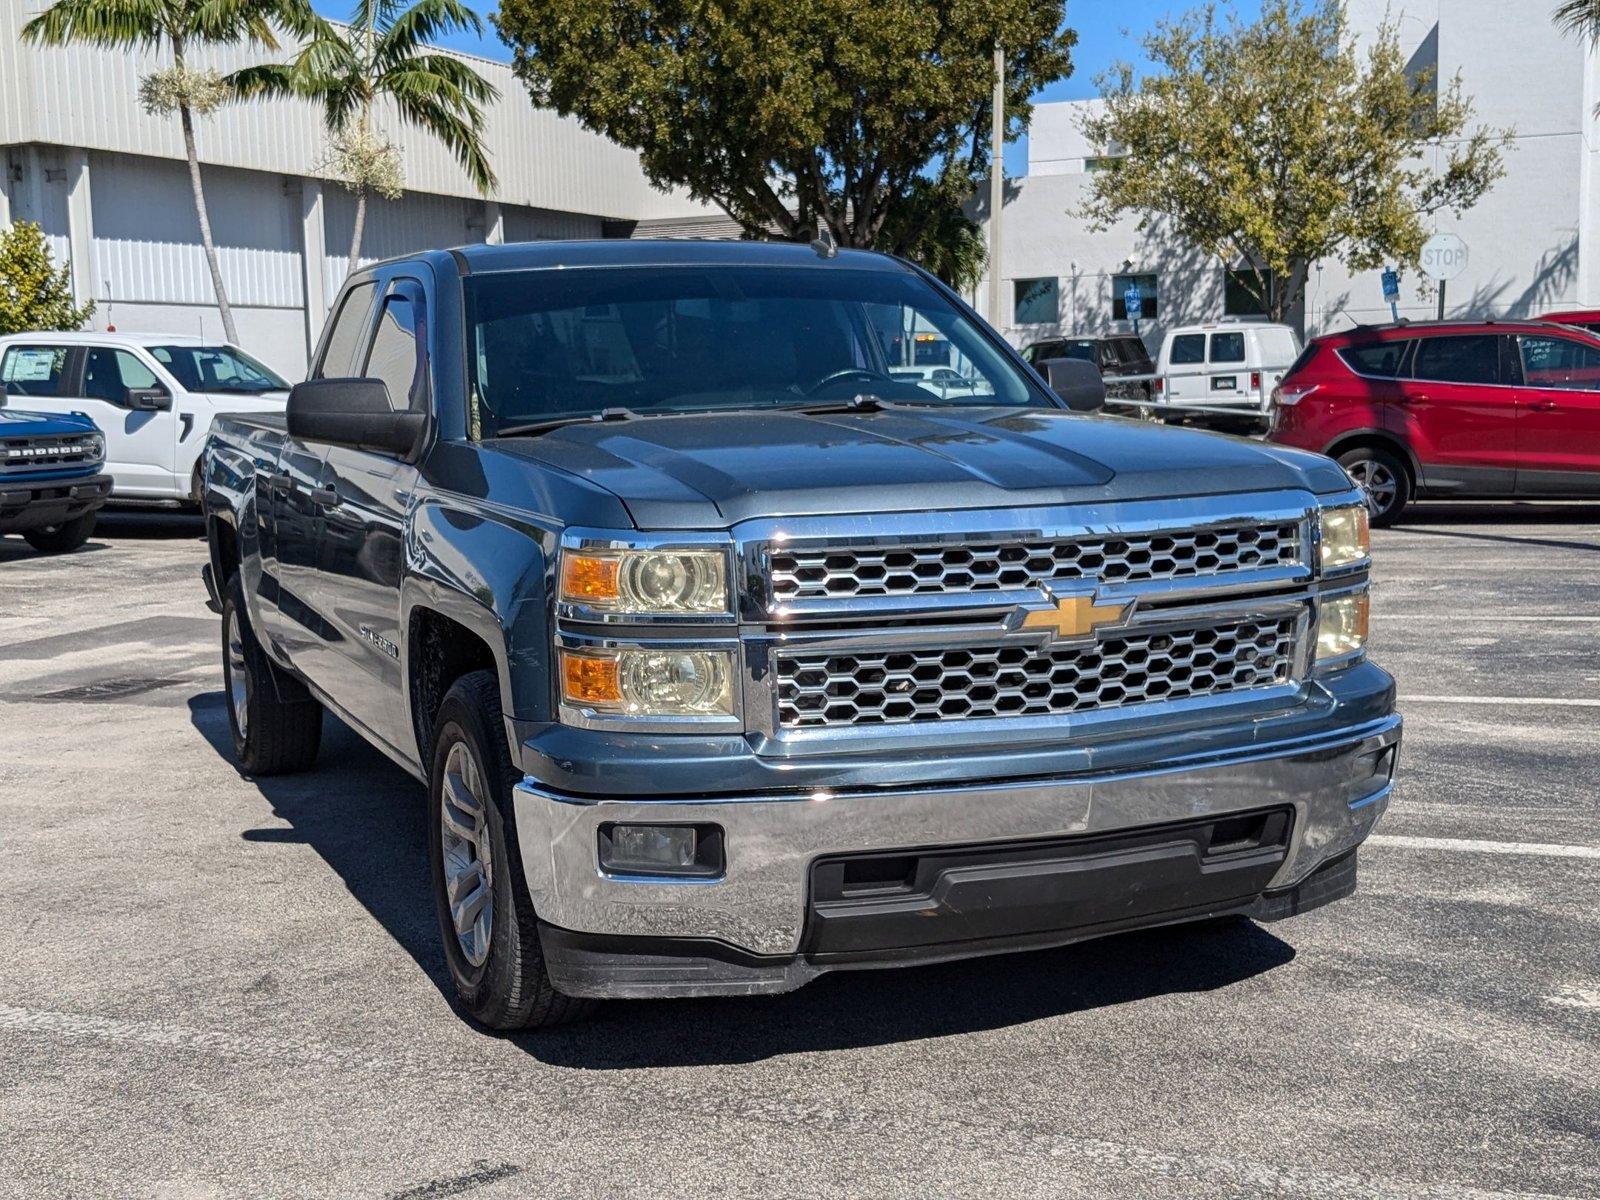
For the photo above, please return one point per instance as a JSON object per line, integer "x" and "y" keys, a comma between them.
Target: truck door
{"x": 291, "y": 488}
{"x": 1558, "y": 416}
{"x": 361, "y": 557}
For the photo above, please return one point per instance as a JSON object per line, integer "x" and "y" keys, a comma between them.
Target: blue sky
{"x": 1108, "y": 31}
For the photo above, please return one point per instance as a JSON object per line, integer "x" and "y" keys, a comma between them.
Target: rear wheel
{"x": 1383, "y": 480}
{"x": 276, "y": 722}
{"x": 58, "y": 539}
{"x": 486, "y": 918}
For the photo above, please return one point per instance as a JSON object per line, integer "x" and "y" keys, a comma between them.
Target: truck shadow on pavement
{"x": 366, "y": 819}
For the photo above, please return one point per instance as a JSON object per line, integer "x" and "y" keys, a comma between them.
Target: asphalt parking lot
{"x": 220, "y": 987}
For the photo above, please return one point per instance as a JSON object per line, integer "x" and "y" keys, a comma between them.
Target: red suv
{"x": 1466, "y": 410}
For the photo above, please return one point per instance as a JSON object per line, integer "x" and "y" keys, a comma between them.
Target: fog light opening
{"x": 668, "y": 851}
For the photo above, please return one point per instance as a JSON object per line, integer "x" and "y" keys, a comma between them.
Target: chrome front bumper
{"x": 1338, "y": 784}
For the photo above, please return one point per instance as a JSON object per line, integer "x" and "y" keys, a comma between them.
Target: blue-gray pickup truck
{"x": 731, "y": 652}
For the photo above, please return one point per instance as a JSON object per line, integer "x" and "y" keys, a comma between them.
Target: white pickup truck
{"x": 153, "y": 395}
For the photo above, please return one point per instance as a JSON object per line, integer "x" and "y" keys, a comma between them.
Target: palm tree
{"x": 181, "y": 25}
{"x": 1581, "y": 17}
{"x": 384, "y": 51}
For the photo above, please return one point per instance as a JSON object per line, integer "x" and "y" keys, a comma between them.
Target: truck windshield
{"x": 217, "y": 369}
{"x": 547, "y": 344}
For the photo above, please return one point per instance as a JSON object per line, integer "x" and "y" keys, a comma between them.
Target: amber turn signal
{"x": 589, "y": 577}
{"x": 587, "y": 679}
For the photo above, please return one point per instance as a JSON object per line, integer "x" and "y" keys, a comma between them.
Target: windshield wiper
{"x": 549, "y": 423}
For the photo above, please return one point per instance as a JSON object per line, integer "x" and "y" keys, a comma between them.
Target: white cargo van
{"x": 1224, "y": 369}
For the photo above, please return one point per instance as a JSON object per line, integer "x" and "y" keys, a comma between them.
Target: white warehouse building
{"x": 1533, "y": 241}
{"x": 110, "y": 187}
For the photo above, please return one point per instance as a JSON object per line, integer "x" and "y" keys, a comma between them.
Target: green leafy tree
{"x": 180, "y": 26}
{"x": 869, "y": 116}
{"x": 384, "y": 52}
{"x": 34, "y": 293}
{"x": 1276, "y": 143}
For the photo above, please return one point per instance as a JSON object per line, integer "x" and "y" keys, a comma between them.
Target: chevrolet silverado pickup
{"x": 729, "y": 658}
{"x": 52, "y": 478}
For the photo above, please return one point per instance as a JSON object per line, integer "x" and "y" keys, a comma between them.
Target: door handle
{"x": 1544, "y": 406}
{"x": 325, "y": 496}
{"x": 278, "y": 483}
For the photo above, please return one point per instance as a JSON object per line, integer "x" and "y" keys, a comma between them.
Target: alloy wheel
{"x": 1377, "y": 483}
{"x": 238, "y": 676}
{"x": 468, "y": 865}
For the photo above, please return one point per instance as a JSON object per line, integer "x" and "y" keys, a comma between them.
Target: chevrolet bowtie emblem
{"x": 1076, "y": 616}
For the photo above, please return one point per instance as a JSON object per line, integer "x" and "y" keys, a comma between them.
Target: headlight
{"x": 649, "y": 682}
{"x": 97, "y": 445}
{"x": 646, "y": 581}
{"x": 1342, "y": 625}
{"x": 1345, "y": 539}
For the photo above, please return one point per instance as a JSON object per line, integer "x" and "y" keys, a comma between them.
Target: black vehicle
{"x": 1116, "y": 354}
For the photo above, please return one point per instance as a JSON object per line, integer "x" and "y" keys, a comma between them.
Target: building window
{"x": 1147, "y": 297}
{"x": 1036, "y": 302}
{"x": 1239, "y": 298}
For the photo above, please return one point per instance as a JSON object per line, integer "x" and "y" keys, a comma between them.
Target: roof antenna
{"x": 824, "y": 243}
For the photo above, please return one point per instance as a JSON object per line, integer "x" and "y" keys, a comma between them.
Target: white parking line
{"x": 1435, "y": 618}
{"x": 1480, "y": 846}
{"x": 1504, "y": 701}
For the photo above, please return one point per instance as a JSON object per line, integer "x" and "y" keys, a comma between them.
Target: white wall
{"x": 1531, "y": 239}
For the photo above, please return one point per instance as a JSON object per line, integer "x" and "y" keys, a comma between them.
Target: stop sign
{"x": 1444, "y": 256}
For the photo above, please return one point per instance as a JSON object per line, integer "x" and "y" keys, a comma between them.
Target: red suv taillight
{"x": 1286, "y": 395}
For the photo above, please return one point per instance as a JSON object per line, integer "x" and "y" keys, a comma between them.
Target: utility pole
{"x": 997, "y": 180}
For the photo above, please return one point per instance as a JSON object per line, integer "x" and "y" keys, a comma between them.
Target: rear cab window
{"x": 33, "y": 370}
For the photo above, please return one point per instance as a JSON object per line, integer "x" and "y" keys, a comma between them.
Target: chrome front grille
{"x": 836, "y": 690}
{"x": 45, "y": 453}
{"x": 822, "y": 573}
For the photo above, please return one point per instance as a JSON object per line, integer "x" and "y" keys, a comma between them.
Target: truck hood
{"x": 20, "y": 423}
{"x": 246, "y": 402}
{"x": 714, "y": 470}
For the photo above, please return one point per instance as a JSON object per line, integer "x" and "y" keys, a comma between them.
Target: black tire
{"x": 507, "y": 987}
{"x": 1383, "y": 478}
{"x": 276, "y": 722}
{"x": 59, "y": 539}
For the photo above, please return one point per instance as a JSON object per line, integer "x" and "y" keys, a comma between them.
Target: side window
{"x": 1471, "y": 359}
{"x": 1227, "y": 347}
{"x": 1381, "y": 360}
{"x": 1188, "y": 349}
{"x": 344, "y": 336}
{"x": 398, "y": 355}
{"x": 108, "y": 375}
{"x": 33, "y": 370}
{"x": 1550, "y": 362}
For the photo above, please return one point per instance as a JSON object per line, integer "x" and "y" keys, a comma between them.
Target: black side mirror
{"x": 147, "y": 399}
{"x": 355, "y": 413}
{"x": 1077, "y": 382}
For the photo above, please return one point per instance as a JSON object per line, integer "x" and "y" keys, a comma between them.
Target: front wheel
{"x": 276, "y": 722}
{"x": 59, "y": 539}
{"x": 486, "y": 918}
{"x": 1383, "y": 480}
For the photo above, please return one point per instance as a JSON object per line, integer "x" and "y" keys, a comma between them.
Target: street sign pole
{"x": 1442, "y": 282}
